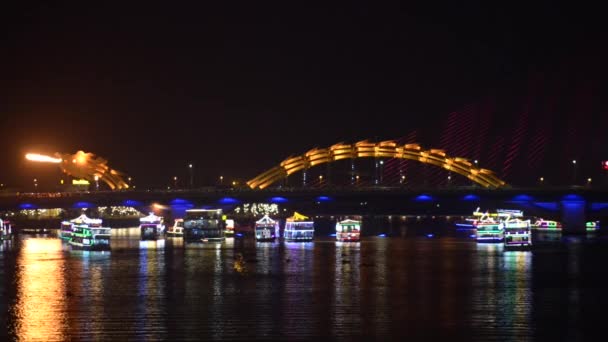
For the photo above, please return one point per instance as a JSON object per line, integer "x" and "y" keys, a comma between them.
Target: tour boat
{"x": 177, "y": 230}
{"x": 547, "y": 225}
{"x": 151, "y": 227}
{"x": 90, "y": 237}
{"x": 204, "y": 225}
{"x": 265, "y": 229}
{"x": 67, "y": 227}
{"x": 299, "y": 228}
{"x": 6, "y": 232}
{"x": 517, "y": 232}
{"x": 348, "y": 230}
{"x": 488, "y": 230}
{"x": 65, "y": 232}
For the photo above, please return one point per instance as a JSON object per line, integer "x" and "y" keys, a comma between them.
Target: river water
{"x": 414, "y": 287}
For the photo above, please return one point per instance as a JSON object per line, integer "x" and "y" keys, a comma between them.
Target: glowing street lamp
{"x": 588, "y": 181}
{"x": 96, "y": 182}
{"x": 541, "y": 180}
{"x": 221, "y": 180}
{"x": 175, "y": 182}
{"x": 320, "y": 180}
{"x": 36, "y": 184}
{"x": 191, "y": 175}
{"x": 574, "y": 171}
{"x": 357, "y": 178}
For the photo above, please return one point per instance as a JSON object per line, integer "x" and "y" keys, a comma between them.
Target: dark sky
{"x": 238, "y": 88}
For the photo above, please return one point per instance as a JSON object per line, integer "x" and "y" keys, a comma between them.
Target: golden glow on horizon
{"x": 42, "y": 158}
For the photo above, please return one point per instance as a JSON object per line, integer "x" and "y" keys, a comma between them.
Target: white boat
{"x": 265, "y": 229}
{"x": 177, "y": 230}
{"x": 151, "y": 227}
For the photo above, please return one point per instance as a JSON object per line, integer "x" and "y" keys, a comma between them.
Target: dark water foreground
{"x": 419, "y": 288}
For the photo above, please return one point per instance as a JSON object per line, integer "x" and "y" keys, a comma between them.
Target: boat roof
{"x": 151, "y": 218}
{"x": 265, "y": 220}
{"x": 297, "y": 217}
{"x": 349, "y": 221}
{"x": 86, "y": 220}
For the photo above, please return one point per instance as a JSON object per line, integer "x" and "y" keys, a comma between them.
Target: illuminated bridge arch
{"x": 383, "y": 149}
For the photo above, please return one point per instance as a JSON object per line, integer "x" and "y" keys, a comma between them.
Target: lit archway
{"x": 383, "y": 149}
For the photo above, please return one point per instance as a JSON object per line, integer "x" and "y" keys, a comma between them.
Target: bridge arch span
{"x": 382, "y": 149}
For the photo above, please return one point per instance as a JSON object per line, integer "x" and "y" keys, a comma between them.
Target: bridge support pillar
{"x": 573, "y": 217}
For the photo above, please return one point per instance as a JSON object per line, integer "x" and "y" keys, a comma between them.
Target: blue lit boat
{"x": 299, "y": 228}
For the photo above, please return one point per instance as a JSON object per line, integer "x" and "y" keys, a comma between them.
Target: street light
{"x": 36, "y": 184}
{"x": 320, "y": 180}
{"x": 357, "y": 178}
{"x": 97, "y": 182}
{"x": 221, "y": 180}
{"x": 175, "y": 182}
{"x": 588, "y": 181}
{"x": 191, "y": 175}
{"x": 574, "y": 171}
{"x": 541, "y": 180}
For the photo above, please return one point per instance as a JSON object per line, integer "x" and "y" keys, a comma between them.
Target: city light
{"x": 42, "y": 158}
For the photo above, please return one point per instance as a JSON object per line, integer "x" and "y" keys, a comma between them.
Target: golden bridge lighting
{"x": 382, "y": 149}
{"x": 85, "y": 166}
{"x": 42, "y": 158}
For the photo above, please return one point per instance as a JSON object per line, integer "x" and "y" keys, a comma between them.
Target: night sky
{"x": 238, "y": 88}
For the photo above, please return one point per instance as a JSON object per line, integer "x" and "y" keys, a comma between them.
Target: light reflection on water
{"x": 420, "y": 288}
{"x": 41, "y": 305}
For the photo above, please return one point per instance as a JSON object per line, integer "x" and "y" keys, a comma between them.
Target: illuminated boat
{"x": 229, "y": 230}
{"x": 151, "y": 227}
{"x": 547, "y": 225}
{"x": 203, "y": 225}
{"x": 299, "y": 228}
{"x": 348, "y": 230}
{"x": 517, "y": 232}
{"x": 265, "y": 229}
{"x": 6, "y": 232}
{"x": 90, "y": 237}
{"x": 470, "y": 221}
{"x": 488, "y": 230}
{"x": 65, "y": 231}
{"x": 592, "y": 226}
{"x": 177, "y": 230}
{"x": 67, "y": 227}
